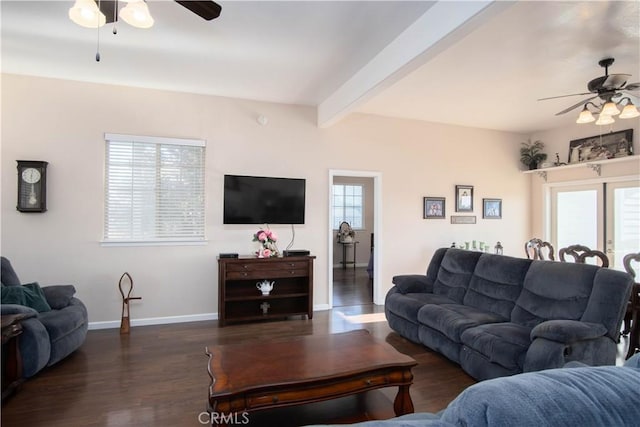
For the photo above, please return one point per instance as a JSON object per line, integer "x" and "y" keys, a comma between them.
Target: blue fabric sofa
{"x": 57, "y": 326}
{"x": 497, "y": 315}
{"x": 576, "y": 395}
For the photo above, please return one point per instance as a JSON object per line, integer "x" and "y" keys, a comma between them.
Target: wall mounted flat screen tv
{"x": 263, "y": 200}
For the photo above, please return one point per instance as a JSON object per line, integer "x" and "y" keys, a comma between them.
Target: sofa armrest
{"x": 17, "y": 309}
{"x": 59, "y": 296}
{"x": 568, "y": 331}
{"x": 409, "y": 283}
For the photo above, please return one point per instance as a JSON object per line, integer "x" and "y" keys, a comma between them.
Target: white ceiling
{"x": 404, "y": 59}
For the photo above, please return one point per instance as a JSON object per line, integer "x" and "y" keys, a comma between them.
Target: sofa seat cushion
{"x": 503, "y": 343}
{"x": 407, "y": 305}
{"x": 60, "y": 323}
{"x": 452, "y": 320}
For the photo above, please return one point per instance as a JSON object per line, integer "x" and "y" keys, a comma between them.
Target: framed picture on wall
{"x": 492, "y": 208}
{"x": 599, "y": 147}
{"x": 433, "y": 207}
{"x": 464, "y": 198}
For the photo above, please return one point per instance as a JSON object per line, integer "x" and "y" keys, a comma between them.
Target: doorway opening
{"x": 354, "y": 199}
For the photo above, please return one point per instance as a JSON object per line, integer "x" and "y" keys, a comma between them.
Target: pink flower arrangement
{"x": 267, "y": 239}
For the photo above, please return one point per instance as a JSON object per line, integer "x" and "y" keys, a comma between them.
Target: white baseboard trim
{"x": 115, "y": 324}
{"x": 110, "y": 324}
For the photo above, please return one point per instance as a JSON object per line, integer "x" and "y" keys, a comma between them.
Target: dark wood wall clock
{"x": 32, "y": 186}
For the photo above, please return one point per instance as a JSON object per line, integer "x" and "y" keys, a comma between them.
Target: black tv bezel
{"x": 270, "y": 178}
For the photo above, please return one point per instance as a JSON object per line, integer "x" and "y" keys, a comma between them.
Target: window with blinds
{"x": 154, "y": 189}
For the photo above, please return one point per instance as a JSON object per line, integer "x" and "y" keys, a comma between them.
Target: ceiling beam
{"x": 441, "y": 26}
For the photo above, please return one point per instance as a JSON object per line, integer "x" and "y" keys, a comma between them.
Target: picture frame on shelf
{"x": 464, "y": 198}
{"x": 433, "y": 207}
{"x": 600, "y": 147}
{"x": 492, "y": 208}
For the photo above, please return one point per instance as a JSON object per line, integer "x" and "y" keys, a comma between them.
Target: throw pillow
{"x": 59, "y": 296}
{"x": 30, "y": 295}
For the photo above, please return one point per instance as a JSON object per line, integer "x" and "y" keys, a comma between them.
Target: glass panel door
{"x": 577, "y": 216}
{"x": 623, "y": 221}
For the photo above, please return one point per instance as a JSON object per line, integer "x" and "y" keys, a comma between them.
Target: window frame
{"x": 136, "y": 240}
{"x": 343, "y": 206}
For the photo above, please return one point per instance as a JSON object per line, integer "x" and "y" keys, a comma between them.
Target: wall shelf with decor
{"x": 595, "y": 165}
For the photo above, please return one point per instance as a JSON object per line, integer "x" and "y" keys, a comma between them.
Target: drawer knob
{"x": 275, "y": 399}
{"x": 368, "y": 381}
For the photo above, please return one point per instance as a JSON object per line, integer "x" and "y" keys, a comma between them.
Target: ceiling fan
{"x": 96, "y": 13}
{"x": 611, "y": 90}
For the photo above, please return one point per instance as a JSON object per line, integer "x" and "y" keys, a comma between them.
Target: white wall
{"x": 63, "y": 122}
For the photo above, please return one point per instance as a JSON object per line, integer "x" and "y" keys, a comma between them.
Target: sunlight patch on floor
{"x": 362, "y": 318}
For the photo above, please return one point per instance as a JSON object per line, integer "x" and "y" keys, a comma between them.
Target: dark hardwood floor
{"x": 157, "y": 376}
{"x": 352, "y": 286}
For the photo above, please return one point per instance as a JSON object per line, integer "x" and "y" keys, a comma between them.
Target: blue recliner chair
{"x": 56, "y": 322}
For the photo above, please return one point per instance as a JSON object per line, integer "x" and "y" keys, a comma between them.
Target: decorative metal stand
{"x": 125, "y": 324}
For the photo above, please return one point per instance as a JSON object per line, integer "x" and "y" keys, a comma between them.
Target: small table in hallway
{"x": 344, "y": 253}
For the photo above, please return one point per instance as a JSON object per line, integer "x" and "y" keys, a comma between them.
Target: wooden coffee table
{"x": 262, "y": 375}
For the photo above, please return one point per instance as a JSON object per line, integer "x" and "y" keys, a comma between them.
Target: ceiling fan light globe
{"x": 585, "y": 116}
{"x": 629, "y": 112}
{"x": 610, "y": 109}
{"x": 604, "y": 120}
{"x": 86, "y": 14}
{"x": 136, "y": 14}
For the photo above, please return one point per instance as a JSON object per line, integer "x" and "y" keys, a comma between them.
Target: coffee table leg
{"x": 403, "y": 404}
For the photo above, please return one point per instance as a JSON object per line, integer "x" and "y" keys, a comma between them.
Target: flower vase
{"x": 261, "y": 253}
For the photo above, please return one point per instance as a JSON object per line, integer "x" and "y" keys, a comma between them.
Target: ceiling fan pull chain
{"x": 115, "y": 18}
{"x": 98, "y": 45}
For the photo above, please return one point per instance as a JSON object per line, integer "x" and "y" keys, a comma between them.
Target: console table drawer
{"x": 261, "y": 274}
{"x": 270, "y": 266}
{"x": 321, "y": 391}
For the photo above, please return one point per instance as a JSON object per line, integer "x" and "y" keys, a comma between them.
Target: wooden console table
{"x": 240, "y": 300}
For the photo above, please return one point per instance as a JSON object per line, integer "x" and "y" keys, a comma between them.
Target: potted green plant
{"x": 531, "y": 153}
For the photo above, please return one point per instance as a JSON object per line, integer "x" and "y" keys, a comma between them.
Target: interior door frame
{"x": 547, "y": 196}
{"x": 378, "y": 298}
{"x": 609, "y": 233}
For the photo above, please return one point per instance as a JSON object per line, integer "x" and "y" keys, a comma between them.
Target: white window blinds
{"x": 154, "y": 189}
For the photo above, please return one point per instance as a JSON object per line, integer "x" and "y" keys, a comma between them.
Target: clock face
{"x": 31, "y": 175}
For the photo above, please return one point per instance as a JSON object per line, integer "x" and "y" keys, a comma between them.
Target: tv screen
{"x": 263, "y": 200}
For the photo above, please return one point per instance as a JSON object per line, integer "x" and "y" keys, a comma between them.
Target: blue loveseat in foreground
{"x": 57, "y": 322}
{"x": 576, "y": 395}
{"x": 498, "y": 315}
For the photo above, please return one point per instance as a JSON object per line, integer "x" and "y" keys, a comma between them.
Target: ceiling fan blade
{"x": 206, "y": 9}
{"x": 576, "y": 105}
{"x": 614, "y": 81}
{"x": 632, "y": 86}
{"x": 564, "y": 96}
